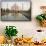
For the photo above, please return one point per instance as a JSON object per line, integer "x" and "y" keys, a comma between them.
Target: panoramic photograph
{"x": 15, "y": 11}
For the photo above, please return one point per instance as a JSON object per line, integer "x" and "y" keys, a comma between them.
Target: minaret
{"x": 7, "y": 5}
{"x": 22, "y": 6}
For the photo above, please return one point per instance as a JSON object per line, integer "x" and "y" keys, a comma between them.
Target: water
{"x": 13, "y": 16}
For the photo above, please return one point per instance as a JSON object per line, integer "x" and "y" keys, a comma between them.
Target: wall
{"x": 27, "y": 28}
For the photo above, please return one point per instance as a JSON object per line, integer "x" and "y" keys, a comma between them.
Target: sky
{"x": 26, "y": 5}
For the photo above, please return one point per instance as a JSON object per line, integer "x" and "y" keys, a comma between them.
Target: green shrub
{"x": 41, "y": 17}
{"x": 11, "y": 31}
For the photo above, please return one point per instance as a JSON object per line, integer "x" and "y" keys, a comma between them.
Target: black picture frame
{"x": 9, "y": 15}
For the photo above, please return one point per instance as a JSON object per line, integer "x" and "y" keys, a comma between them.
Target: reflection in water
{"x": 14, "y": 16}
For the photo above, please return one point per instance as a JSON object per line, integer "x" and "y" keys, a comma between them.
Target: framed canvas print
{"x": 16, "y": 10}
